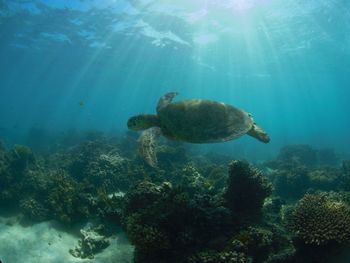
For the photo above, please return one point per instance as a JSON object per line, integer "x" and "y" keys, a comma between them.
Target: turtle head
{"x": 143, "y": 122}
{"x": 258, "y": 133}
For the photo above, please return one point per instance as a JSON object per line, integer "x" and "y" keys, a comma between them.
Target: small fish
{"x": 81, "y": 103}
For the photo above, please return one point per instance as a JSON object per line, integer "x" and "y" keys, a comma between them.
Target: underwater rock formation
{"x": 345, "y": 181}
{"x": 321, "y": 218}
{"x": 327, "y": 157}
{"x": 92, "y": 242}
{"x": 303, "y": 155}
{"x": 247, "y": 188}
{"x": 325, "y": 178}
{"x": 346, "y": 167}
{"x": 300, "y": 168}
{"x": 291, "y": 184}
{"x": 297, "y": 155}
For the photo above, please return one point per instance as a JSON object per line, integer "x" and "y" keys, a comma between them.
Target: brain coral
{"x": 320, "y": 218}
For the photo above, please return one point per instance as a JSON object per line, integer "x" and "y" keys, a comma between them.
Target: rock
{"x": 91, "y": 243}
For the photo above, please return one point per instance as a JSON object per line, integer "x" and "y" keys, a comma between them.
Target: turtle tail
{"x": 147, "y": 145}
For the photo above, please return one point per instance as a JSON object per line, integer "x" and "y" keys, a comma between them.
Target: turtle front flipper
{"x": 147, "y": 145}
{"x": 258, "y": 133}
{"x": 165, "y": 100}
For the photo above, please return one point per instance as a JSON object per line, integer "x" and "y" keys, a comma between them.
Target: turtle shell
{"x": 203, "y": 121}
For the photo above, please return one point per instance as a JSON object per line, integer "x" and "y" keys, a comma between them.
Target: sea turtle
{"x": 194, "y": 121}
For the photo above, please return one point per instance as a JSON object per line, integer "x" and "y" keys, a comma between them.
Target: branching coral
{"x": 321, "y": 218}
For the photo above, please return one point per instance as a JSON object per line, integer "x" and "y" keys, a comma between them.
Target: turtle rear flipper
{"x": 165, "y": 100}
{"x": 147, "y": 145}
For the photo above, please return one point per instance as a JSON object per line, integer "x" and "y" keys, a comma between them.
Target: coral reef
{"x": 296, "y": 155}
{"x": 327, "y": 157}
{"x": 247, "y": 188}
{"x": 14, "y": 165}
{"x": 220, "y": 257}
{"x": 21, "y": 157}
{"x": 108, "y": 171}
{"x": 265, "y": 243}
{"x": 300, "y": 168}
{"x": 292, "y": 183}
{"x": 303, "y": 155}
{"x": 93, "y": 241}
{"x": 193, "y": 223}
{"x": 33, "y": 210}
{"x": 193, "y": 180}
{"x": 42, "y": 191}
{"x": 167, "y": 222}
{"x": 321, "y": 218}
{"x": 346, "y": 167}
{"x": 345, "y": 180}
{"x": 188, "y": 209}
{"x": 256, "y": 240}
{"x": 171, "y": 154}
{"x": 325, "y": 178}
{"x": 68, "y": 200}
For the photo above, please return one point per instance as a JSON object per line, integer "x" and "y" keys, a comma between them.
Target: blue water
{"x": 90, "y": 65}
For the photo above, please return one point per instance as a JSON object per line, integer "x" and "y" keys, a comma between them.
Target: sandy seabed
{"x": 42, "y": 243}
